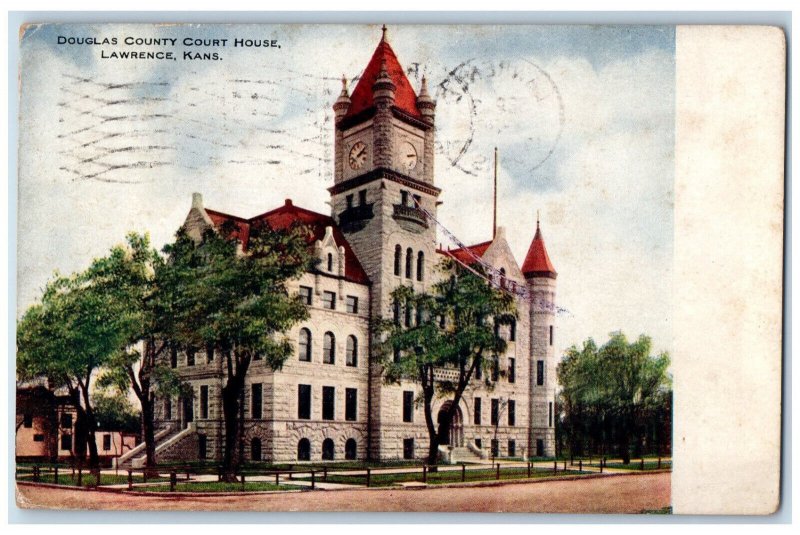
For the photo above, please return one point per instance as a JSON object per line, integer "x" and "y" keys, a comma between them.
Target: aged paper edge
{"x": 729, "y": 199}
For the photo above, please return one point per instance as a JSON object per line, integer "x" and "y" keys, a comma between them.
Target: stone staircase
{"x": 168, "y": 447}
{"x": 464, "y": 454}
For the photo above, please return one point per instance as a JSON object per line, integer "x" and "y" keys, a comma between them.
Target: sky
{"x": 582, "y": 116}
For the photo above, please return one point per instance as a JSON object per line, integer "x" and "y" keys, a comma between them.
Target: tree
{"x": 610, "y": 393}
{"x": 132, "y": 276}
{"x": 237, "y": 304}
{"x": 114, "y": 412}
{"x": 73, "y": 331}
{"x": 454, "y": 329}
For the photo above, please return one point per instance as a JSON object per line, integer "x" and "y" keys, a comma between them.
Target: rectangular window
{"x": 173, "y": 357}
{"x": 551, "y": 335}
{"x": 512, "y": 448}
{"x": 190, "y": 357}
{"x": 328, "y": 396}
{"x": 476, "y": 417}
{"x": 204, "y": 401}
{"x": 38, "y": 438}
{"x": 350, "y": 404}
{"x": 512, "y": 412}
{"x": 304, "y": 402}
{"x": 550, "y": 415}
{"x": 495, "y": 411}
{"x": 512, "y": 331}
{"x": 329, "y": 300}
{"x": 495, "y": 447}
{"x": 349, "y": 201}
{"x": 352, "y": 304}
{"x": 256, "y": 401}
{"x": 210, "y": 353}
{"x": 478, "y": 443}
{"x": 495, "y": 369}
{"x": 539, "y": 372}
{"x": 168, "y": 408}
{"x": 106, "y": 442}
{"x": 417, "y": 201}
{"x": 408, "y": 406}
{"x": 362, "y": 197}
{"x": 27, "y": 421}
{"x": 539, "y": 447}
{"x": 479, "y": 369}
{"x": 408, "y": 448}
{"x": 512, "y": 370}
{"x": 305, "y": 294}
{"x": 404, "y": 198}
{"x": 66, "y": 442}
{"x": 202, "y": 446}
{"x": 66, "y": 420}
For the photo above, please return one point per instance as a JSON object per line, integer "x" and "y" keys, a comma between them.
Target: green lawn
{"x": 636, "y": 465}
{"x": 214, "y": 486}
{"x": 441, "y": 477}
{"x": 252, "y": 468}
{"x": 66, "y": 478}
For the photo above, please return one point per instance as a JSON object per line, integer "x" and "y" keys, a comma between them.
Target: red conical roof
{"x": 537, "y": 263}
{"x": 405, "y": 97}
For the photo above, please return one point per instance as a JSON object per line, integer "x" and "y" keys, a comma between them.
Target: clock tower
{"x": 383, "y": 175}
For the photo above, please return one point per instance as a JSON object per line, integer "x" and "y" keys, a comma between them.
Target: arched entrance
{"x": 451, "y": 433}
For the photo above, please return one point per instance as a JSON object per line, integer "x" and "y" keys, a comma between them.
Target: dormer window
{"x": 330, "y": 262}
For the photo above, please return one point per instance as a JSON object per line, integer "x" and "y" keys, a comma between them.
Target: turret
{"x": 540, "y": 276}
{"x": 426, "y": 105}
{"x": 342, "y": 103}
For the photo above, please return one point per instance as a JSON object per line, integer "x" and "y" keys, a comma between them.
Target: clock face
{"x": 358, "y": 155}
{"x": 408, "y": 156}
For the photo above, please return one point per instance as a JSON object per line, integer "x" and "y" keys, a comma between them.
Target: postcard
{"x": 475, "y": 268}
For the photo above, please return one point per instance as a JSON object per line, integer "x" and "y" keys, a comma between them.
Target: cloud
{"x": 583, "y": 120}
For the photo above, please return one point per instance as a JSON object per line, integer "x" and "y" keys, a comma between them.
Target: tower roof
{"x": 537, "y": 262}
{"x": 405, "y": 98}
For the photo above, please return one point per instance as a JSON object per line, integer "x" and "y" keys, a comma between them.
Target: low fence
{"x": 311, "y": 477}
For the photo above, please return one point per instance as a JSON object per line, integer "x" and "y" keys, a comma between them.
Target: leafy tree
{"x": 73, "y": 331}
{"x": 114, "y": 412}
{"x": 453, "y": 328}
{"x": 236, "y": 303}
{"x": 611, "y": 392}
{"x": 132, "y": 277}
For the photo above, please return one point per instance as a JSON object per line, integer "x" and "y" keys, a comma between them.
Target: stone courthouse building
{"x": 330, "y": 400}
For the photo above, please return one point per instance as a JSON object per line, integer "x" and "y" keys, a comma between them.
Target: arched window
{"x": 398, "y": 252}
{"x": 255, "y": 449}
{"x": 352, "y": 351}
{"x": 420, "y": 265}
{"x": 409, "y": 262}
{"x": 502, "y": 277}
{"x": 350, "y": 449}
{"x": 330, "y": 262}
{"x": 329, "y": 348}
{"x": 327, "y": 449}
{"x": 304, "y": 345}
{"x": 304, "y": 450}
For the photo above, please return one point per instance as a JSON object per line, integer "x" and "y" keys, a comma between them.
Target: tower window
{"x": 512, "y": 331}
{"x": 476, "y": 417}
{"x": 398, "y": 252}
{"x": 256, "y": 401}
{"x": 204, "y": 401}
{"x": 551, "y": 335}
{"x": 512, "y": 370}
{"x": 512, "y": 412}
{"x": 362, "y": 197}
{"x": 349, "y": 200}
{"x": 330, "y": 262}
{"x": 420, "y": 265}
{"x": 404, "y": 198}
{"x": 539, "y": 372}
{"x": 495, "y": 411}
{"x": 417, "y": 201}
{"x": 409, "y": 262}
{"x": 550, "y": 414}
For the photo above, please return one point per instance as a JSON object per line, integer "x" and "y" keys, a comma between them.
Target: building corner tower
{"x": 540, "y": 276}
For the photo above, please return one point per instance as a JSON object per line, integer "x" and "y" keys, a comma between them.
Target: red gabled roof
{"x": 283, "y": 218}
{"x": 405, "y": 97}
{"x": 462, "y": 254}
{"x": 537, "y": 263}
